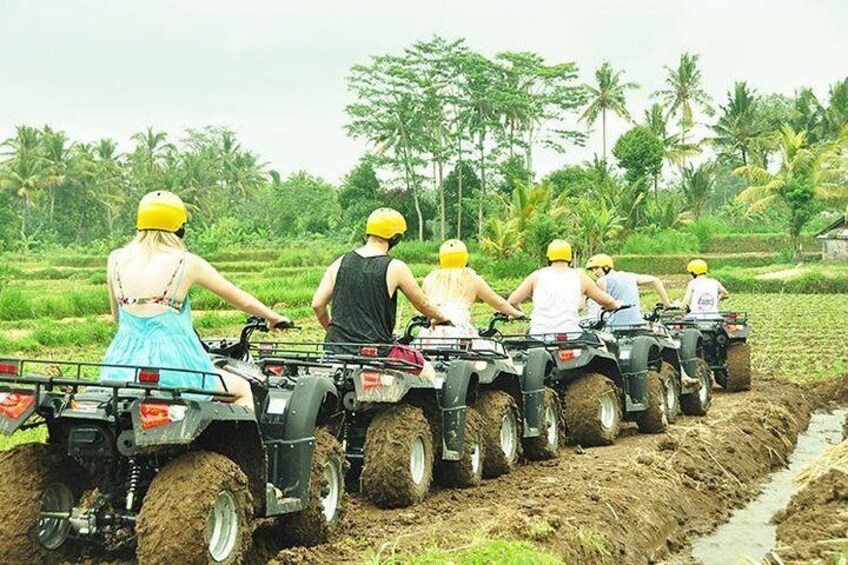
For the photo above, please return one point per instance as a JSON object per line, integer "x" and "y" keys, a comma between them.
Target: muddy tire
{"x": 592, "y": 410}
{"x": 654, "y": 420}
{"x": 198, "y": 510}
{"x": 698, "y": 402}
{"x": 34, "y": 474}
{"x": 315, "y": 523}
{"x": 398, "y": 465}
{"x": 501, "y": 432}
{"x": 546, "y": 445}
{"x": 738, "y": 367}
{"x": 468, "y": 471}
{"x": 671, "y": 378}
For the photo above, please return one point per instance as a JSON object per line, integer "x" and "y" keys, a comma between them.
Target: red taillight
{"x": 568, "y": 354}
{"x": 154, "y": 414}
{"x": 13, "y": 404}
{"x": 8, "y": 367}
{"x": 148, "y": 376}
{"x": 675, "y": 327}
{"x": 274, "y": 369}
{"x": 368, "y": 351}
{"x": 370, "y": 380}
{"x": 732, "y": 328}
{"x": 733, "y": 315}
{"x": 561, "y": 337}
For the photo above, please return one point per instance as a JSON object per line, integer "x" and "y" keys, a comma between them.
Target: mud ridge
{"x": 633, "y": 502}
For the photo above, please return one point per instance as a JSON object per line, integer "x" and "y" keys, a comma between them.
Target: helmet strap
{"x": 606, "y": 270}
{"x": 394, "y": 240}
{"x": 180, "y": 233}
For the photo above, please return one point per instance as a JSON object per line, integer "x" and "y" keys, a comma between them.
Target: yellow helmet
{"x": 385, "y": 223}
{"x": 559, "y": 250}
{"x": 453, "y": 254}
{"x": 697, "y": 267}
{"x": 161, "y": 210}
{"x": 600, "y": 260}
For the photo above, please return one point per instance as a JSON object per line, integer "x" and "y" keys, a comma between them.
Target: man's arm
{"x": 495, "y": 300}
{"x": 590, "y": 289}
{"x": 687, "y": 298}
{"x": 324, "y": 293}
{"x": 657, "y": 285}
{"x": 722, "y": 292}
{"x": 401, "y": 277}
{"x": 523, "y": 292}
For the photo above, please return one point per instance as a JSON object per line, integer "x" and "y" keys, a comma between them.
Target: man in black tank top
{"x": 361, "y": 287}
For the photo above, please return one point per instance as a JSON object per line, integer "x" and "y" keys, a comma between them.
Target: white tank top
{"x": 556, "y": 301}
{"x": 704, "y": 302}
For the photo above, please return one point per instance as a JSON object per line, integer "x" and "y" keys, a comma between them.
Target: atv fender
{"x": 458, "y": 379}
{"x": 290, "y": 458}
{"x": 533, "y": 390}
{"x": 644, "y": 356}
{"x": 691, "y": 347}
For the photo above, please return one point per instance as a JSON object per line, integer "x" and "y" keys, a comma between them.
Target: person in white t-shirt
{"x": 557, "y": 292}
{"x": 703, "y": 292}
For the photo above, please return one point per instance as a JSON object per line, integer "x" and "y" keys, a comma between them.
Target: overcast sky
{"x": 274, "y": 70}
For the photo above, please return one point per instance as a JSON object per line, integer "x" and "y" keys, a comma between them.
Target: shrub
{"x": 665, "y": 242}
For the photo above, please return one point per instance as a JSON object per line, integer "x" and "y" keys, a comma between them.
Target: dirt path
{"x": 633, "y": 502}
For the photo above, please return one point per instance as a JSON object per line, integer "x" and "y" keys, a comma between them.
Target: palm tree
{"x": 697, "y": 185}
{"x": 56, "y": 154}
{"x": 684, "y": 93}
{"x": 808, "y": 174}
{"x": 737, "y": 127}
{"x": 607, "y": 95}
{"x": 675, "y": 152}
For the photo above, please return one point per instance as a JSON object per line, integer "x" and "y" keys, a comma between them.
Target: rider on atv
{"x": 703, "y": 293}
{"x": 148, "y": 282}
{"x": 557, "y": 292}
{"x": 455, "y": 288}
{"x": 362, "y": 286}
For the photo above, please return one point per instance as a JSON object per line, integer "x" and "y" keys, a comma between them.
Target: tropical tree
{"x": 608, "y": 94}
{"x": 808, "y": 176}
{"x": 697, "y": 186}
{"x": 684, "y": 94}
{"x": 737, "y": 127}
{"x": 640, "y": 154}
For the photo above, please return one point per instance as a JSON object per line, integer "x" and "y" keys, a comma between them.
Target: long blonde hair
{"x": 153, "y": 240}
{"x": 449, "y": 286}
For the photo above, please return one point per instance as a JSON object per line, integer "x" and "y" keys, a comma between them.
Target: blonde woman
{"x": 454, "y": 288}
{"x": 148, "y": 282}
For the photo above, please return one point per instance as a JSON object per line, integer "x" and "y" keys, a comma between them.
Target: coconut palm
{"x": 697, "y": 186}
{"x": 737, "y": 128}
{"x": 56, "y": 153}
{"x": 609, "y": 94}
{"x": 684, "y": 93}
{"x": 674, "y": 150}
{"x": 808, "y": 174}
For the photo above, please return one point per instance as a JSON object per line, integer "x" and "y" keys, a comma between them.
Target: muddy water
{"x": 749, "y": 533}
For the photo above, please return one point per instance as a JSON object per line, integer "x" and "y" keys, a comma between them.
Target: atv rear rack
{"x": 313, "y": 353}
{"x": 573, "y": 339}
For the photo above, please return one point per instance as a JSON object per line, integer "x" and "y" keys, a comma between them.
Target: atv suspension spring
{"x": 134, "y": 477}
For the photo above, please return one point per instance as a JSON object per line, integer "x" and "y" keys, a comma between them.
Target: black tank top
{"x": 362, "y": 310}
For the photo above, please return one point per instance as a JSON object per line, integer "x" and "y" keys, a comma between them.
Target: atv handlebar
{"x": 419, "y": 322}
{"x": 603, "y": 317}
{"x": 491, "y": 329}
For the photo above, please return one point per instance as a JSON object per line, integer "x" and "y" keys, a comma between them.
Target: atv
{"x": 501, "y": 406}
{"x": 725, "y": 345}
{"x": 385, "y": 422}
{"x": 171, "y": 471}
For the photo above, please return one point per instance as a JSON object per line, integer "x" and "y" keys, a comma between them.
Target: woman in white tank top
{"x": 557, "y": 291}
{"x": 703, "y": 292}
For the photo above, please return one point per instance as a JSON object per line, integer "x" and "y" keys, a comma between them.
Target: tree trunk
{"x": 420, "y": 215}
{"x": 744, "y": 156}
{"x": 604, "y": 132}
{"x": 459, "y": 200}
{"x": 442, "y": 227}
{"x": 482, "y": 188}
{"x": 796, "y": 243}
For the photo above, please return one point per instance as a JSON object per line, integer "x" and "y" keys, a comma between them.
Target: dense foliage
{"x": 452, "y": 136}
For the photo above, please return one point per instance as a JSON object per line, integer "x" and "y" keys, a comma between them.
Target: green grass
{"x": 488, "y": 552}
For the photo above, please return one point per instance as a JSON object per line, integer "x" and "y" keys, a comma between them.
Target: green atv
{"x": 167, "y": 471}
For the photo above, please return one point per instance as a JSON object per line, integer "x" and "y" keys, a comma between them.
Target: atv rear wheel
{"x": 468, "y": 471}
{"x": 738, "y": 367}
{"x": 198, "y": 510}
{"x": 592, "y": 410}
{"x": 501, "y": 432}
{"x": 654, "y": 420}
{"x": 546, "y": 445}
{"x": 398, "y": 465}
{"x": 36, "y": 478}
{"x": 698, "y": 402}
{"x": 671, "y": 378}
{"x": 316, "y": 522}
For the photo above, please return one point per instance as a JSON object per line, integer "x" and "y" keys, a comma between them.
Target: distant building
{"x": 834, "y": 240}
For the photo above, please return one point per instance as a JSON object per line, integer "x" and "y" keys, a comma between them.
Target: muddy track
{"x": 633, "y": 502}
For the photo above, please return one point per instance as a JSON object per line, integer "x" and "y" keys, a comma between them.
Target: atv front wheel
{"x": 592, "y": 410}
{"x": 671, "y": 378}
{"x": 198, "y": 510}
{"x": 738, "y": 367}
{"x": 468, "y": 471}
{"x": 501, "y": 432}
{"x": 697, "y": 403}
{"x": 36, "y": 478}
{"x": 316, "y": 522}
{"x": 546, "y": 445}
{"x": 398, "y": 465}
{"x": 654, "y": 420}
